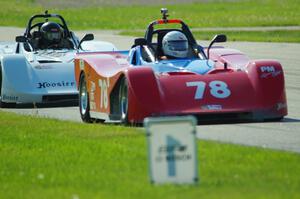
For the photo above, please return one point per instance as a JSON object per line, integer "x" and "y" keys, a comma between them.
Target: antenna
{"x": 46, "y": 13}
{"x": 164, "y": 12}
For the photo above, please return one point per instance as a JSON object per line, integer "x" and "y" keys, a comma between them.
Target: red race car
{"x": 167, "y": 73}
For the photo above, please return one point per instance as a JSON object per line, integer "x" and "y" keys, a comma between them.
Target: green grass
{"x": 46, "y": 158}
{"x": 258, "y": 36}
{"x": 247, "y": 13}
{"x": 205, "y": 14}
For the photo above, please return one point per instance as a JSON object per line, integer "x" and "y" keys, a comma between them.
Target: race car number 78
{"x": 218, "y": 89}
{"x": 104, "y": 85}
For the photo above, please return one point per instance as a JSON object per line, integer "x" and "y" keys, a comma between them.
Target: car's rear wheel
{"x": 84, "y": 104}
{"x": 123, "y": 101}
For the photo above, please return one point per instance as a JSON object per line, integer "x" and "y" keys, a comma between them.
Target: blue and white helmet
{"x": 175, "y": 44}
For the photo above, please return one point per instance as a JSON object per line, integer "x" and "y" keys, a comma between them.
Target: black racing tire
{"x": 123, "y": 101}
{"x": 7, "y": 105}
{"x": 84, "y": 103}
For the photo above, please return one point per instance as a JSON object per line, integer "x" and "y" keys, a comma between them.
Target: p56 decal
{"x": 218, "y": 89}
{"x": 269, "y": 71}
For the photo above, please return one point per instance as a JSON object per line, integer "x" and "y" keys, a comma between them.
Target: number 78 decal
{"x": 218, "y": 89}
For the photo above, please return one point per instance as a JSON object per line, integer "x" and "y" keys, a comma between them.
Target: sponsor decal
{"x": 81, "y": 64}
{"x": 43, "y": 67}
{"x": 269, "y": 71}
{"x": 92, "y": 95}
{"x": 55, "y": 84}
{"x": 52, "y": 53}
{"x": 280, "y": 106}
{"x": 122, "y": 61}
{"x": 212, "y": 107}
{"x": 10, "y": 98}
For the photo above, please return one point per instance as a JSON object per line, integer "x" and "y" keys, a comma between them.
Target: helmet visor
{"x": 178, "y": 45}
{"x": 53, "y": 36}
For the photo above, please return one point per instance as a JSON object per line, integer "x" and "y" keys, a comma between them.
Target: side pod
{"x": 144, "y": 93}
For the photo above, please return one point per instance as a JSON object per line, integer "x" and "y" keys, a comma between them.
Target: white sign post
{"x": 172, "y": 150}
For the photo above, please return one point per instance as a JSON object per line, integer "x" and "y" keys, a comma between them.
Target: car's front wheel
{"x": 84, "y": 104}
{"x": 123, "y": 100}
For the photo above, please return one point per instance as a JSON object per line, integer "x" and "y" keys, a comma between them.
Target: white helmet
{"x": 175, "y": 44}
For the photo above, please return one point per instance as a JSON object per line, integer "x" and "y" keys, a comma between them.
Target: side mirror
{"x": 21, "y": 39}
{"x": 219, "y": 38}
{"x": 139, "y": 42}
{"x": 87, "y": 37}
{"x": 216, "y": 39}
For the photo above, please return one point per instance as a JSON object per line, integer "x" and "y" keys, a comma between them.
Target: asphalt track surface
{"x": 283, "y": 135}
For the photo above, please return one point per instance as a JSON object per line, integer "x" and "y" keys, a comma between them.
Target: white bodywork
{"x": 40, "y": 76}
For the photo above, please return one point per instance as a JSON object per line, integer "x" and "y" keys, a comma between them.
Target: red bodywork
{"x": 256, "y": 87}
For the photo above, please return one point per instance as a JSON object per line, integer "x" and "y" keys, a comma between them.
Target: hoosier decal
{"x": 55, "y": 84}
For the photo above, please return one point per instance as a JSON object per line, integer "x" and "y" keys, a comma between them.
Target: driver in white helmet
{"x": 174, "y": 45}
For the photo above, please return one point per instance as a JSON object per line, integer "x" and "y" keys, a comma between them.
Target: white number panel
{"x": 103, "y": 84}
{"x": 200, "y": 88}
{"x": 218, "y": 89}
